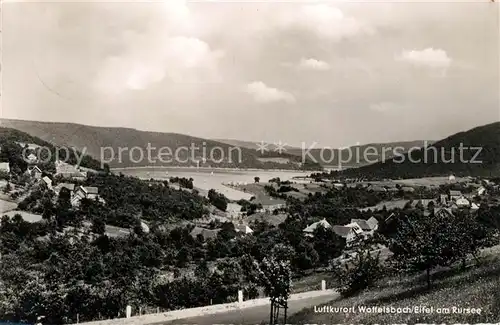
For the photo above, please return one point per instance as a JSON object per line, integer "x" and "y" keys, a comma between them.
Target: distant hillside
{"x": 442, "y": 158}
{"x": 12, "y": 152}
{"x": 108, "y": 140}
{"x": 345, "y": 158}
{"x": 251, "y": 145}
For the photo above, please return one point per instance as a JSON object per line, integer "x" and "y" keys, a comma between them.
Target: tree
{"x": 358, "y": 274}
{"x": 106, "y": 168}
{"x": 217, "y": 199}
{"x": 256, "y": 179}
{"x": 202, "y": 271}
{"x": 276, "y": 278}
{"x": 98, "y": 226}
{"x": 423, "y": 242}
{"x": 327, "y": 244}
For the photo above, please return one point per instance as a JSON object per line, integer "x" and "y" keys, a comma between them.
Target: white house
{"x": 243, "y": 229}
{"x": 474, "y": 207}
{"x": 451, "y": 178}
{"x": 481, "y": 191}
{"x": 87, "y": 192}
{"x": 368, "y": 226}
{"x": 462, "y": 202}
{"x": 4, "y": 166}
{"x": 350, "y": 232}
{"x": 35, "y": 172}
{"x": 309, "y": 230}
{"x": 47, "y": 182}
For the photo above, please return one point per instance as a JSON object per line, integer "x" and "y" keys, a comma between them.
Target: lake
{"x": 213, "y": 178}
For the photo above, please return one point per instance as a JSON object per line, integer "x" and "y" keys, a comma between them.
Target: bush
{"x": 359, "y": 274}
{"x": 217, "y": 199}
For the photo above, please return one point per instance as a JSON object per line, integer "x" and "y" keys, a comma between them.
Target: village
{"x": 322, "y": 220}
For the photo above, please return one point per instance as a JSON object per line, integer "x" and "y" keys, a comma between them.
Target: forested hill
{"x": 341, "y": 158}
{"x": 12, "y": 152}
{"x": 92, "y": 139}
{"x": 480, "y": 157}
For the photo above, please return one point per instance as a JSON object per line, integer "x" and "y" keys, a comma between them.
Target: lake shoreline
{"x": 216, "y": 168}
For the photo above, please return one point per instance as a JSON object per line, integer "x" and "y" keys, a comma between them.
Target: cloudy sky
{"x": 336, "y": 73}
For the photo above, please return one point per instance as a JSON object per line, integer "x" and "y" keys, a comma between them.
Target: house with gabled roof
{"x": 351, "y": 232}
{"x": 85, "y": 192}
{"x": 243, "y": 229}
{"x": 89, "y": 192}
{"x": 363, "y": 224}
{"x": 309, "y": 230}
{"x": 367, "y": 226}
{"x": 205, "y": 233}
{"x": 35, "y": 172}
{"x": 372, "y": 223}
{"x": 60, "y": 186}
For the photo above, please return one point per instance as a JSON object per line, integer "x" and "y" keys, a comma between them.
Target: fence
{"x": 139, "y": 315}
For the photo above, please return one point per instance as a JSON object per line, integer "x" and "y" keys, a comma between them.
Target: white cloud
{"x": 429, "y": 57}
{"x": 182, "y": 59}
{"x": 166, "y": 49}
{"x": 261, "y": 93}
{"x": 313, "y": 64}
{"x": 327, "y": 22}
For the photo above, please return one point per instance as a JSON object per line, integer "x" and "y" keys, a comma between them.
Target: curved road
{"x": 251, "y": 315}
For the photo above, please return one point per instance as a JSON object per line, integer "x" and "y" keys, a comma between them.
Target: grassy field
{"x": 388, "y": 204}
{"x": 272, "y": 219}
{"x": 313, "y": 282}
{"x": 29, "y": 217}
{"x": 261, "y": 196}
{"x": 428, "y": 181}
{"x": 7, "y": 205}
{"x": 477, "y": 287}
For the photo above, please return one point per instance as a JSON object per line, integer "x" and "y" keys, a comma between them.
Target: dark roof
{"x": 91, "y": 189}
{"x": 69, "y": 186}
{"x": 206, "y": 233}
{"x": 372, "y": 222}
{"x": 341, "y": 231}
{"x": 362, "y": 223}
